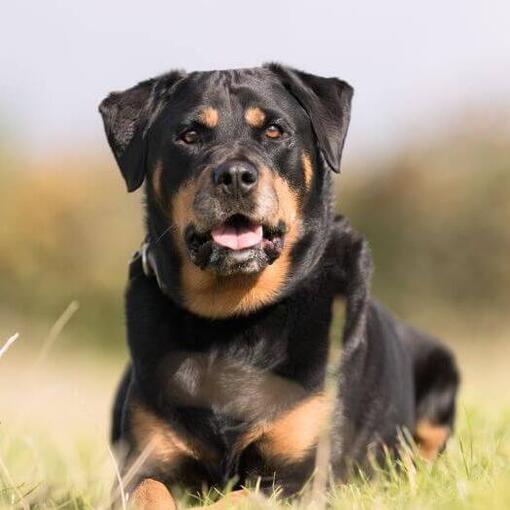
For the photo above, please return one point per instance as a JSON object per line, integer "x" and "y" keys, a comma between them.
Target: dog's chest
{"x": 238, "y": 379}
{"x": 247, "y": 419}
{"x": 246, "y": 388}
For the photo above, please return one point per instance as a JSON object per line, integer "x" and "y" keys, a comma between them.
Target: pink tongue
{"x": 237, "y": 238}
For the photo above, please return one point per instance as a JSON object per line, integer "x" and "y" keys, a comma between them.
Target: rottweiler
{"x": 230, "y": 299}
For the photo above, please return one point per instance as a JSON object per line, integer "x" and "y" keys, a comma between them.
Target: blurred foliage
{"x": 68, "y": 231}
{"x": 436, "y": 216}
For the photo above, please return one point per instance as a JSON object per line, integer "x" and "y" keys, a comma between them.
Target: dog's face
{"x": 237, "y": 168}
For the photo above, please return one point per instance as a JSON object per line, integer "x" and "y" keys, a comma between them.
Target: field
{"x": 54, "y": 450}
{"x": 437, "y": 217}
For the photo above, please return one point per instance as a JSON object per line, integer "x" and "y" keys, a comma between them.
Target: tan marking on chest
{"x": 254, "y": 117}
{"x": 209, "y": 117}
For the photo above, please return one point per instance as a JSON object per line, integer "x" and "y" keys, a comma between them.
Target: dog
{"x": 230, "y": 300}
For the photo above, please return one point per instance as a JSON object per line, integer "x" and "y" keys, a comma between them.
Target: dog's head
{"x": 237, "y": 169}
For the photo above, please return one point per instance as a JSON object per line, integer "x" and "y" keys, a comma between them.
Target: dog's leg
{"x": 350, "y": 275}
{"x": 150, "y": 494}
{"x": 358, "y": 269}
{"x": 155, "y": 452}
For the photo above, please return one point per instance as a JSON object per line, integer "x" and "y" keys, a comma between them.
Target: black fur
{"x": 214, "y": 379}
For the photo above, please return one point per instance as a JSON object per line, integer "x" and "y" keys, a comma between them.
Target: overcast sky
{"x": 412, "y": 64}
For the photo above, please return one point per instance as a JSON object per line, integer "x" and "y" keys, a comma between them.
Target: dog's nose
{"x": 236, "y": 177}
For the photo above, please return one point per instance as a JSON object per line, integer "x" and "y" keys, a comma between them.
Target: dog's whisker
{"x": 170, "y": 228}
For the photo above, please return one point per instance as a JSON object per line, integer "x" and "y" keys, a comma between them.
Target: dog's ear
{"x": 127, "y": 117}
{"x": 327, "y": 101}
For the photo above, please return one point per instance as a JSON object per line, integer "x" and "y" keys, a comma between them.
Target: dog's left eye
{"x": 189, "y": 136}
{"x": 273, "y": 131}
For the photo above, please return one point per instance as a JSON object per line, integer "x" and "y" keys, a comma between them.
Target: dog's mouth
{"x": 238, "y": 233}
{"x": 237, "y": 245}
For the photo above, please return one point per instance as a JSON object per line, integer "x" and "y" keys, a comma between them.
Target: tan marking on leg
{"x": 164, "y": 445}
{"x": 254, "y": 117}
{"x": 209, "y": 117}
{"x": 290, "y": 437}
{"x": 151, "y": 432}
{"x": 151, "y": 495}
{"x": 210, "y": 295}
{"x": 307, "y": 169}
{"x": 431, "y": 438}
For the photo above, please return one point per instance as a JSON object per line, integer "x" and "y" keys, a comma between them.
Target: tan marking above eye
{"x": 209, "y": 117}
{"x": 255, "y": 117}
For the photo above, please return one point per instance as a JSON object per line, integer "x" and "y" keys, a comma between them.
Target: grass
{"x": 54, "y": 451}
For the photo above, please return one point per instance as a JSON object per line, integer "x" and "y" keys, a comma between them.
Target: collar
{"x": 145, "y": 257}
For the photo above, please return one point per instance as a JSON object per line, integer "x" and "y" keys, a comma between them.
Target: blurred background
{"x": 426, "y": 171}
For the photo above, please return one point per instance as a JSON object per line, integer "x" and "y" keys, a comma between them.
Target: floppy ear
{"x": 327, "y": 101}
{"x": 127, "y": 117}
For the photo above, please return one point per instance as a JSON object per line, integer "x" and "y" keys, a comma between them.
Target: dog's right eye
{"x": 190, "y": 136}
{"x": 273, "y": 131}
